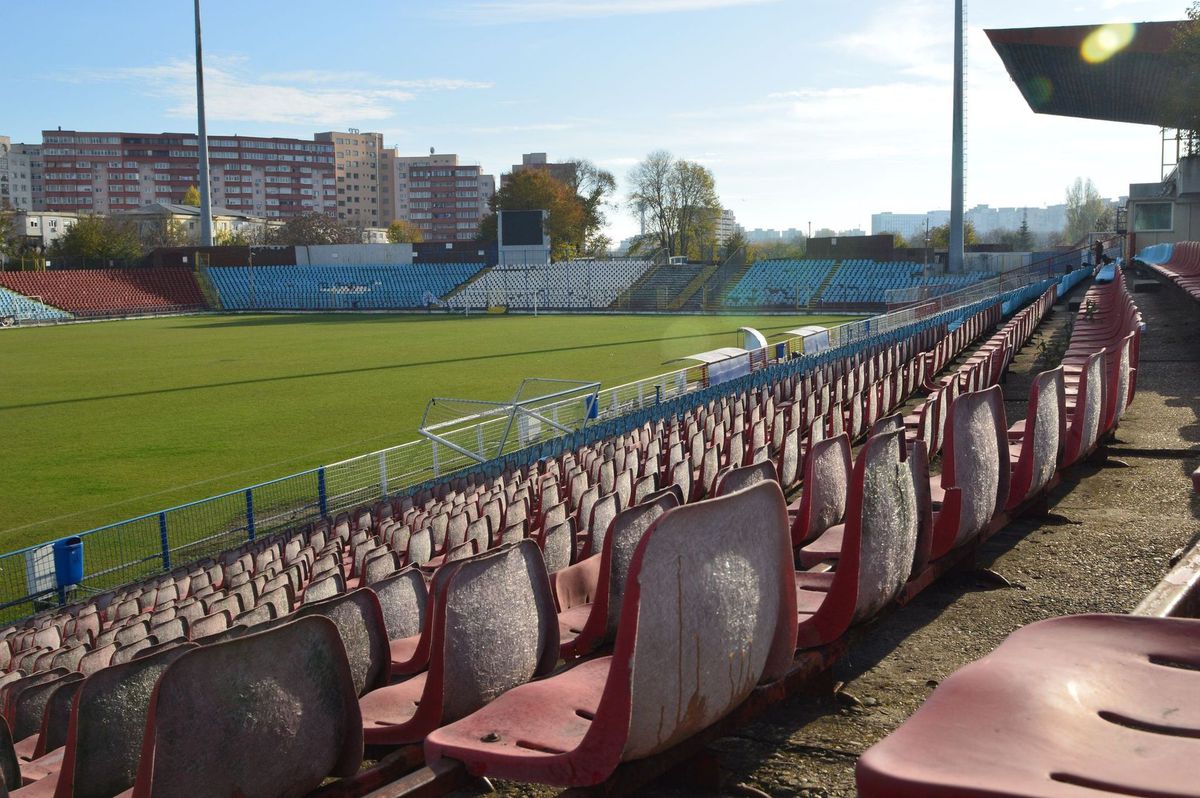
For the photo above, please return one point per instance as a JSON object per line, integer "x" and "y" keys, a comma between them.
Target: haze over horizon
{"x": 804, "y": 114}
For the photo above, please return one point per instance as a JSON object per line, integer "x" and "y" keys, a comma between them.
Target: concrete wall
{"x": 354, "y": 254}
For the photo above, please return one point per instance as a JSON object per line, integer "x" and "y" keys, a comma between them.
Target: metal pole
{"x": 206, "y": 233}
{"x": 954, "y": 260}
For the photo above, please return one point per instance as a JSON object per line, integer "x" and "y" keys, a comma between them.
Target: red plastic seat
{"x": 1040, "y": 437}
{"x": 493, "y": 628}
{"x": 584, "y": 627}
{"x": 709, "y": 611}
{"x": 879, "y": 544}
{"x": 278, "y": 712}
{"x": 975, "y": 470}
{"x": 1088, "y": 705}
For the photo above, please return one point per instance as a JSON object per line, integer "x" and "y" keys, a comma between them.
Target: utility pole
{"x": 206, "y": 233}
{"x": 954, "y": 259}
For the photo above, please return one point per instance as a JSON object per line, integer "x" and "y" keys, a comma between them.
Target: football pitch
{"x": 102, "y": 422}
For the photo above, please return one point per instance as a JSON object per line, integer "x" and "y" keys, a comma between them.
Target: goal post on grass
{"x": 482, "y": 430}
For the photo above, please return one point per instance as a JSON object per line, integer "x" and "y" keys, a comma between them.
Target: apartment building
{"x": 563, "y": 172}
{"x": 20, "y": 175}
{"x": 109, "y": 172}
{"x": 447, "y": 200}
{"x": 361, "y": 177}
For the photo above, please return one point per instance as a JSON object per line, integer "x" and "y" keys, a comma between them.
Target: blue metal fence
{"x": 123, "y": 552}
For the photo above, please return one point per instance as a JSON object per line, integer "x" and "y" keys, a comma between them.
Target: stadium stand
{"x": 658, "y": 287}
{"x": 580, "y": 285}
{"x": 1179, "y": 263}
{"x": 469, "y": 648}
{"x": 23, "y": 309}
{"x": 867, "y": 281}
{"x": 385, "y": 287}
{"x": 111, "y": 292}
{"x": 791, "y": 283}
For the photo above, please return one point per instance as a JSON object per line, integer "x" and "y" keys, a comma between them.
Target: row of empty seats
{"x": 380, "y": 287}
{"x": 24, "y": 309}
{"x": 580, "y": 285}
{"x": 1085, "y": 705}
{"x": 110, "y": 292}
{"x": 868, "y": 282}
{"x": 436, "y": 640}
{"x": 780, "y": 282}
{"x": 1179, "y": 263}
{"x": 660, "y": 287}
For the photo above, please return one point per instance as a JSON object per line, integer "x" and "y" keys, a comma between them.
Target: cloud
{"x": 535, "y": 127}
{"x": 307, "y": 97}
{"x": 501, "y": 11}
{"x": 917, "y": 43}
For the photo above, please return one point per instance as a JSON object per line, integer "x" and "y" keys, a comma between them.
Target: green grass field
{"x": 106, "y": 421}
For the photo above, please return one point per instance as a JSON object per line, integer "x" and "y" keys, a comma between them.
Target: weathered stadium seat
{"x": 974, "y": 483}
{"x": 585, "y": 626}
{"x": 1089, "y": 705}
{"x": 818, "y": 527}
{"x": 276, "y": 723}
{"x": 359, "y": 618}
{"x": 878, "y": 546}
{"x": 493, "y": 628}
{"x": 104, "y": 737}
{"x": 685, "y": 655}
{"x": 1036, "y": 441}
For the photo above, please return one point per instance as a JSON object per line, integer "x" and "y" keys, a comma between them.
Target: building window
{"x": 1153, "y": 217}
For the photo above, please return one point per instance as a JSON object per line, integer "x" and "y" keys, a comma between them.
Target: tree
{"x": 1087, "y": 211}
{"x": 593, "y": 186}
{"x": 1183, "y": 101}
{"x": 1024, "y": 237}
{"x": 939, "y": 237}
{"x": 677, "y": 202}
{"x": 898, "y": 240}
{"x": 171, "y": 233}
{"x": 784, "y": 249}
{"x": 244, "y": 236}
{"x": 98, "y": 238}
{"x": 402, "y": 231}
{"x": 192, "y": 197}
{"x": 535, "y": 189}
{"x": 737, "y": 242}
{"x": 313, "y": 229}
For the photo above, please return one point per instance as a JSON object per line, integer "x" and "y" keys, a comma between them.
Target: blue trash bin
{"x": 68, "y": 561}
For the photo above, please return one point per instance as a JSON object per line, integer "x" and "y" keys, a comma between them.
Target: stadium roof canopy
{"x": 1114, "y": 73}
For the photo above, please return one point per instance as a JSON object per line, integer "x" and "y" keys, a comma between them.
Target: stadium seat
{"x": 1072, "y": 706}
{"x": 104, "y": 736}
{"x": 279, "y": 713}
{"x": 574, "y": 728}
{"x": 586, "y": 625}
{"x": 104, "y": 292}
{"x": 1036, "y": 442}
{"x": 493, "y": 628}
{"x": 974, "y": 484}
{"x": 359, "y": 618}
{"x": 349, "y": 287}
{"x": 877, "y": 549}
{"x": 822, "y": 505}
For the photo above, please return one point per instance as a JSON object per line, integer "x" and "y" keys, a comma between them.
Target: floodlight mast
{"x": 206, "y": 233}
{"x": 954, "y": 258}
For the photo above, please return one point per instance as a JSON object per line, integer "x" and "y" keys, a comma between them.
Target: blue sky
{"x": 805, "y": 111}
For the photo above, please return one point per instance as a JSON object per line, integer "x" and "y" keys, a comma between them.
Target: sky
{"x": 806, "y": 112}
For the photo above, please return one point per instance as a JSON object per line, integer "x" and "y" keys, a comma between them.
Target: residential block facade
{"x": 109, "y": 172}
